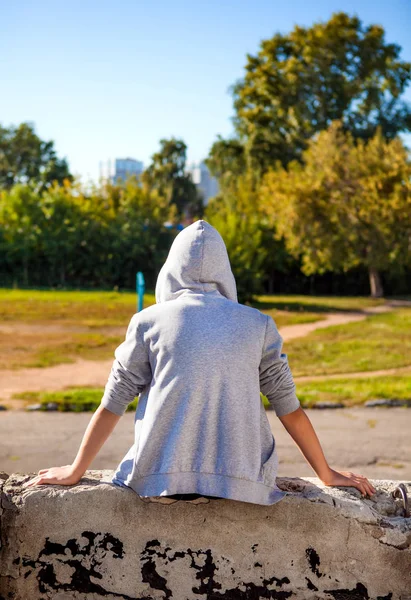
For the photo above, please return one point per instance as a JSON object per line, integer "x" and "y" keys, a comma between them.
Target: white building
{"x": 205, "y": 182}
{"x": 120, "y": 169}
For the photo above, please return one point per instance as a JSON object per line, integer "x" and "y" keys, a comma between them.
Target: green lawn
{"x": 381, "y": 341}
{"x": 316, "y": 304}
{"x": 91, "y": 324}
{"x": 71, "y": 400}
{"x": 84, "y": 321}
{"x": 350, "y": 391}
{"x": 91, "y": 309}
{"x": 355, "y": 391}
{"x": 103, "y": 309}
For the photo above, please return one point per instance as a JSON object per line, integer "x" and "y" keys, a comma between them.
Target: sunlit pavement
{"x": 375, "y": 442}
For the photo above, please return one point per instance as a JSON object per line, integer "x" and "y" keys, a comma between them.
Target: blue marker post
{"x": 140, "y": 287}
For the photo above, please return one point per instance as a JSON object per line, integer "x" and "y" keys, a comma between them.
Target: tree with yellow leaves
{"x": 348, "y": 203}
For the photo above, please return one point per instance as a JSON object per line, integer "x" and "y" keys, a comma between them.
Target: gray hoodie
{"x": 198, "y": 359}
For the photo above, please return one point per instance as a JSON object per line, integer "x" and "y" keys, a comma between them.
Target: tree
{"x": 69, "y": 236}
{"x": 226, "y": 160}
{"x": 21, "y": 225}
{"x": 167, "y": 174}
{"x": 235, "y": 215}
{"x": 348, "y": 204}
{"x": 139, "y": 239}
{"x": 25, "y": 158}
{"x": 298, "y": 83}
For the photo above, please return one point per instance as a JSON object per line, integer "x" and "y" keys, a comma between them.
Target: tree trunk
{"x": 271, "y": 284}
{"x": 25, "y": 272}
{"x": 312, "y": 288}
{"x": 375, "y": 283}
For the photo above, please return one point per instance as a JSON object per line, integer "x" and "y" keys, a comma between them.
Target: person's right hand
{"x": 55, "y": 476}
{"x": 347, "y": 478}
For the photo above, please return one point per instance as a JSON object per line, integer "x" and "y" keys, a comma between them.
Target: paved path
{"x": 372, "y": 441}
{"x": 85, "y": 373}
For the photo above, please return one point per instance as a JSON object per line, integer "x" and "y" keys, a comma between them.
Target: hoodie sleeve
{"x": 276, "y": 380}
{"x": 130, "y": 372}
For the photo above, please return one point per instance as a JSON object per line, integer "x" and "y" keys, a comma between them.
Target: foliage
{"x": 226, "y": 160}
{"x": 25, "y": 158}
{"x": 167, "y": 175}
{"x": 234, "y": 214}
{"x": 348, "y": 204}
{"x": 97, "y": 239}
{"x": 298, "y": 83}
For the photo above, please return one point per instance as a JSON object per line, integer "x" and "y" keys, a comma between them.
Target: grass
{"x": 90, "y": 309}
{"x": 316, "y": 304}
{"x": 352, "y": 392}
{"x": 90, "y": 324}
{"x": 39, "y": 345}
{"x": 44, "y": 349}
{"x": 103, "y": 309}
{"x": 71, "y": 400}
{"x": 381, "y": 341}
{"x": 355, "y": 391}
{"x": 46, "y": 328}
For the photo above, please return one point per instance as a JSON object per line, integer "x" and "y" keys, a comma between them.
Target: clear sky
{"x": 110, "y": 78}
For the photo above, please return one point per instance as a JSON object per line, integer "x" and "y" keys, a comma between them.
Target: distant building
{"x": 125, "y": 167}
{"x": 121, "y": 169}
{"x": 205, "y": 182}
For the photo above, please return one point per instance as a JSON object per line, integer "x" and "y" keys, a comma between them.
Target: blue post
{"x": 140, "y": 287}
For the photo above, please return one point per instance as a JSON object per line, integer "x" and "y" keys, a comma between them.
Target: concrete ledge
{"x": 95, "y": 540}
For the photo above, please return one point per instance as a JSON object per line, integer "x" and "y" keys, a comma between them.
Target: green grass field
{"x": 46, "y": 328}
{"x": 350, "y": 391}
{"x": 71, "y": 400}
{"x": 89, "y": 309}
{"x": 316, "y": 304}
{"x": 382, "y": 341}
{"x": 96, "y": 309}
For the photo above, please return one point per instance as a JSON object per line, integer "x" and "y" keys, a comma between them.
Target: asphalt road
{"x": 375, "y": 442}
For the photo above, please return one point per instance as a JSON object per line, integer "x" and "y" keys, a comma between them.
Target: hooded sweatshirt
{"x": 198, "y": 360}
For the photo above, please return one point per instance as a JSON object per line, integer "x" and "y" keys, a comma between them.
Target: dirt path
{"x": 41, "y": 328}
{"x": 84, "y": 373}
{"x": 291, "y": 332}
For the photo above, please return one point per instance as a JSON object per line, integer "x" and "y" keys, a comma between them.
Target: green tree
{"x": 347, "y": 205}
{"x": 21, "y": 227}
{"x": 139, "y": 239}
{"x": 234, "y": 213}
{"x": 67, "y": 236}
{"x": 167, "y": 174}
{"x": 226, "y": 160}
{"x": 298, "y": 83}
{"x": 25, "y": 158}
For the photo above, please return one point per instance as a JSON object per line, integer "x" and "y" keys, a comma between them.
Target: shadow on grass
{"x": 324, "y": 304}
{"x": 295, "y": 306}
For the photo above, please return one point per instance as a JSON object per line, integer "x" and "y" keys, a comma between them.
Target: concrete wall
{"x": 95, "y": 541}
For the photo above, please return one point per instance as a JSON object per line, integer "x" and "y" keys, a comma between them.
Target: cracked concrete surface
{"x": 96, "y": 540}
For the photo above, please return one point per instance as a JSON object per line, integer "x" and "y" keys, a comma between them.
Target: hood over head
{"x": 197, "y": 261}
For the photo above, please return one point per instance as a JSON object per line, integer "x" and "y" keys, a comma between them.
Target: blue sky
{"x": 105, "y": 79}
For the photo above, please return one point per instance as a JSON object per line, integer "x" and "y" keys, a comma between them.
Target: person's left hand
{"x": 56, "y": 475}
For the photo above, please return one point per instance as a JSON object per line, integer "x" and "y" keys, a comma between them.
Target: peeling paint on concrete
{"x": 95, "y": 540}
